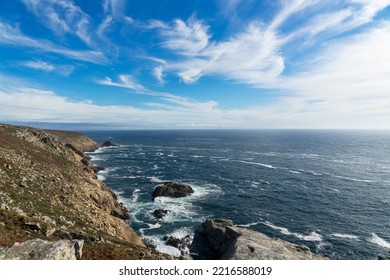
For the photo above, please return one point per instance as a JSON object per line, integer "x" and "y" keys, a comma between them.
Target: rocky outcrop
{"x": 48, "y": 190}
{"x": 172, "y": 189}
{"x": 108, "y": 143}
{"x": 220, "y": 239}
{"x": 37, "y": 249}
{"x": 76, "y": 139}
{"x": 159, "y": 214}
{"x": 180, "y": 243}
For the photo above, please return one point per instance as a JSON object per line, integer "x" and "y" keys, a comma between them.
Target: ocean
{"x": 326, "y": 189}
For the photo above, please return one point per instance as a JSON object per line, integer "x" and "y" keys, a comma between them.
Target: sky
{"x": 196, "y": 64}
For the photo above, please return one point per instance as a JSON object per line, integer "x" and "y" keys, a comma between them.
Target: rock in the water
{"x": 180, "y": 243}
{"x": 220, "y": 239}
{"x": 108, "y": 143}
{"x": 172, "y": 189}
{"x": 96, "y": 168}
{"x": 160, "y": 213}
{"x": 37, "y": 249}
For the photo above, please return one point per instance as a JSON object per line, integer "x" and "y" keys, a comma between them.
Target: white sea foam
{"x": 346, "y": 236}
{"x": 154, "y": 179}
{"x": 196, "y": 156}
{"x": 157, "y": 241}
{"x": 294, "y": 172}
{"x": 249, "y": 225}
{"x": 313, "y": 173}
{"x": 379, "y": 241}
{"x": 155, "y": 167}
{"x": 354, "y": 179}
{"x": 202, "y": 189}
{"x": 101, "y": 177}
{"x": 135, "y": 195}
{"x": 313, "y": 236}
{"x": 257, "y": 163}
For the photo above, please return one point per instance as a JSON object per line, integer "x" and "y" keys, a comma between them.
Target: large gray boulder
{"x": 172, "y": 189}
{"x": 37, "y": 249}
{"x": 220, "y": 239}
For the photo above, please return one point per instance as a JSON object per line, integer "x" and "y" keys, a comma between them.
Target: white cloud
{"x": 62, "y": 17}
{"x": 255, "y": 55}
{"x": 125, "y": 81}
{"x": 185, "y": 38}
{"x": 39, "y": 65}
{"x": 250, "y": 57}
{"x": 158, "y": 73}
{"x": 63, "y": 70}
{"x": 104, "y": 26}
{"x": 348, "y": 85}
{"x": 175, "y": 102}
{"x": 20, "y": 102}
{"x": 116, "y": 8}
{"x": 12, "y": 36}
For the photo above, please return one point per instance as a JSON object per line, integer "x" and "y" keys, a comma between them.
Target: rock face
{"x": 172, "y": 189}
{"x": 220, "y": 239}
{"x": 37, "y": 249}
{"x": 76, "y": 139}
{"x": 48, "y": 190}
{"x": 108, "y": 143}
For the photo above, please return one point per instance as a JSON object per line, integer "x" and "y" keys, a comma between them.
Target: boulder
{"x": 180, "y": 243}
{"x": 160, "y": 213}
{"x": 172, "y": 189}
{"x": 108, "y": 143}
{"x": 220, "y": 239}
{"x": 37, "y": 249}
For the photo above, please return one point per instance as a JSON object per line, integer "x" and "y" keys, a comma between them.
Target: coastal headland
{"x": 52, "y": 206}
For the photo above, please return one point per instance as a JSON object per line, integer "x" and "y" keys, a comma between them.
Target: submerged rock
{"x": 220, "y": 239}
{"x": 37, "y": 249}
{"x": 172, "y": 189}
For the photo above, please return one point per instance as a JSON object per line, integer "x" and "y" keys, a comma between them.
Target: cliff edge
{"x": 49, "y": 191}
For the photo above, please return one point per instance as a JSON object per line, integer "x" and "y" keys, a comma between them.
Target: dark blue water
{"x": 329, "y": 190}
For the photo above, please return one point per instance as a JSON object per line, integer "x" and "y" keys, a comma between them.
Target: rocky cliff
{"x": 48, "y": 190}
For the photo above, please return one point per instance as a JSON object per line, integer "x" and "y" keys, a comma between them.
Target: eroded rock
{"x": 160, "y": 213}
{"x": 172, "y": 189}
{"x": 37, "y": 249}
{"x": 220, "y": 239}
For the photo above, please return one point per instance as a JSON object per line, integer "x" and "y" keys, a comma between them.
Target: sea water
{"x": 328, "y": 190}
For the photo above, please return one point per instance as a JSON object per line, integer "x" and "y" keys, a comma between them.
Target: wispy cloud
{"x": 63, "y": 70}
{"x": 116, "y": 9}
{"x": 38, "y": 65}
{"x": 185, "y": 38}
{"x": 12, "y": 36}
{"x": 255, "y": 56}
{"x": 62, "y": 17}
{"x": 125, "y": 81}
{"x": 250, "y": 57}
{"x": 176, "y": 102}
{"x": 21, "y": 102}
{"x": 347, "y": 86}
{"x": 158, "y": 73}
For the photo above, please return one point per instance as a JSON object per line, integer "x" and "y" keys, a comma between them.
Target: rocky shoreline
{"x": 52, "y": 206}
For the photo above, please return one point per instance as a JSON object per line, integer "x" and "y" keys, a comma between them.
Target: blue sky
{"x": 173, "y": 64}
